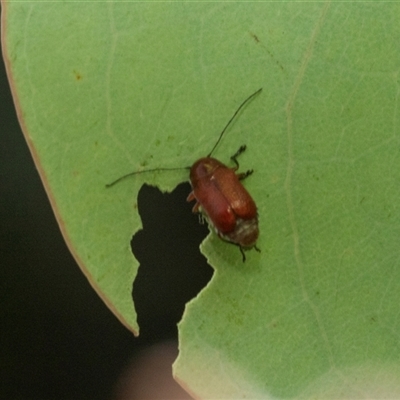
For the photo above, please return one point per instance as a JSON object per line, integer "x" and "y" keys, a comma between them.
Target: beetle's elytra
{"x": 227, "y": 204}
{"x": 221, "y": 196}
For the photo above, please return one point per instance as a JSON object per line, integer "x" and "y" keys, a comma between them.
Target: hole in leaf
{"x": 172, "y": 270}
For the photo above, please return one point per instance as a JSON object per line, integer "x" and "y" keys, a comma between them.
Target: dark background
{"x": 57, "y": 339}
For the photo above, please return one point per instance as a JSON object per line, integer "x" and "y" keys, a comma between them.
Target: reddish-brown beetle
{"x": 220, "y": 195}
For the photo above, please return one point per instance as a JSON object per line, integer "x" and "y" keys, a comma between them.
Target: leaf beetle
{"x": 220, "y": 195}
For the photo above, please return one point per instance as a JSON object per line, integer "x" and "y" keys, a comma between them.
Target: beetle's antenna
{"x": 209, "y": 154}
{"x": 232, "y": 118}
{"x": 141, "y": 172}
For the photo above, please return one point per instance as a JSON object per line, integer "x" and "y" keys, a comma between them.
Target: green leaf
{"x": 103, "y": 89}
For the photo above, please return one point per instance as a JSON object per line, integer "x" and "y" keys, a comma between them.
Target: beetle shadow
{"x": 172, "y": 270}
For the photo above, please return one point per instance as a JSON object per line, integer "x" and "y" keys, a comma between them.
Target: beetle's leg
{"x": 201, "y": 218}
{"x": 196, "y": 208}
{"x": 242, "y": 175}
{"x": 190, "y": 197}
{"x": 242, "y": 251}
{"x": 243, "y": 255}
{"x": 237, "y": 154}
